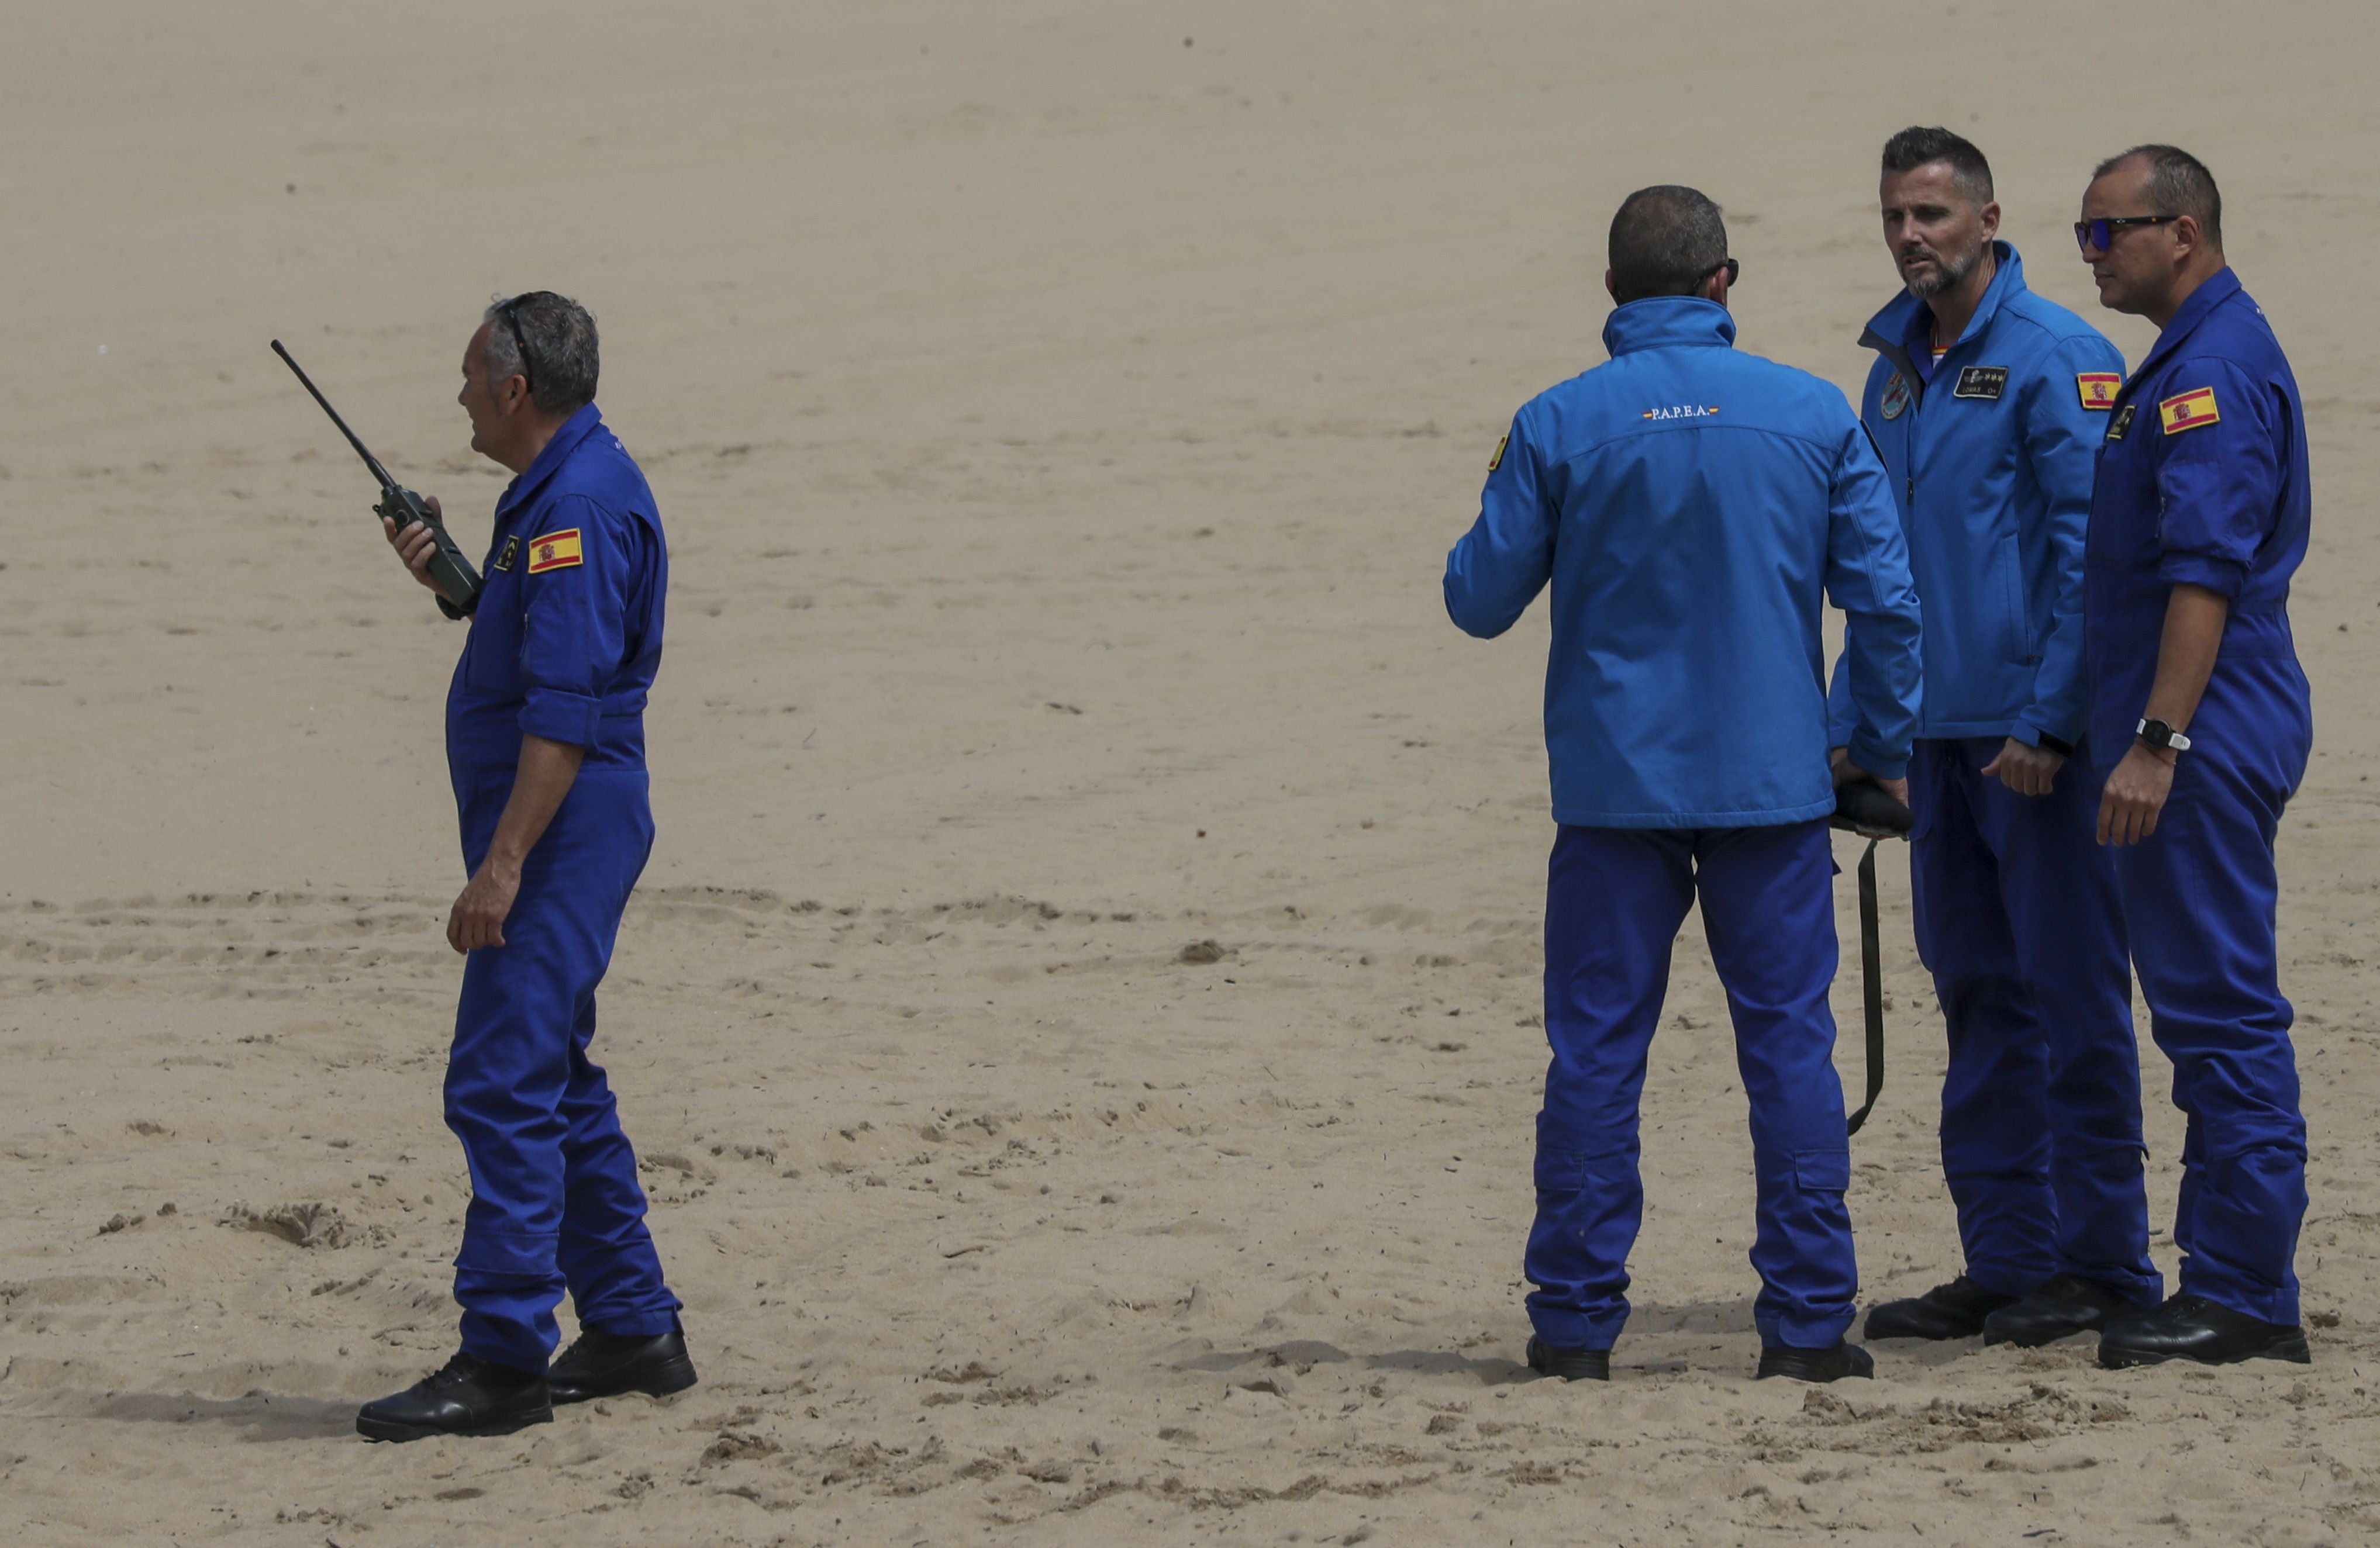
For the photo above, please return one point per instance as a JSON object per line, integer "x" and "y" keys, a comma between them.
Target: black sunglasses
{"x": 520, "y": 344}
{"x": 1732, "y": 268}
{"x": 2095, "y": 235}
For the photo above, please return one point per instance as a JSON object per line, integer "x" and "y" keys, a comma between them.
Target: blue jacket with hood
{"x": 1693, "y": 508}
{"x": 1991, "y": 451}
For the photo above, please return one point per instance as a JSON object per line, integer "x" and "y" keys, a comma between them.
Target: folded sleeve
{"x": 1506, "y": 558}
{"x": 579, "y": 566}
{"x": 2218, "y": 472}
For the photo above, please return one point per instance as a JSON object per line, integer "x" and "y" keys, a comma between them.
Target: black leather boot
{"x": 2066, "y": 1304}
{"x": 2193, "y": 1328}
{"x": 1953, "y": 1311}
{"x": 1571, "y": 1365}
{"x": 468, "y": 1396}
{"x": 1815, "y": 1365}
{"x": 606, "y": 1364}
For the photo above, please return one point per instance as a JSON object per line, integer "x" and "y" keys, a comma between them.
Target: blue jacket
{"x": 1990, "y": 451}
{"x": 2202, "y": 478}
{"x": 1690, "y": 504}
{"x": 567, "y": 634}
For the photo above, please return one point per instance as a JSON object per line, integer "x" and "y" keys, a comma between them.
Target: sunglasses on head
{"x": 2095, "y": 235}
{"x": 520, "y": 344}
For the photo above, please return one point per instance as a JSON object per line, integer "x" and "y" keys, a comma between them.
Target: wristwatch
{"x": 2156, "y": 733}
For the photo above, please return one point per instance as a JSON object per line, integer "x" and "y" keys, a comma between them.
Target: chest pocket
{"x": 491, "y": 655}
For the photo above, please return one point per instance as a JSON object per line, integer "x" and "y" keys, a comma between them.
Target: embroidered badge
{"x": 2098, "y": 389}
{"x": 1980, "y": 381}
{"x": 2187, "y": 411}
{"x": 556, "y": 551}
{"x": 1682, "y": 411}
{"x": 512, "y": 552}
{"x": 1497, "y": 460}
{"x": 1896, "y": 397}
{"x": 2123, "y": 421}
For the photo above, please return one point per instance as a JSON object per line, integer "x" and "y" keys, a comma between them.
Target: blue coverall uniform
{"x": 1991, "y": 450}
{"x": 1693, "y": 508}
{"x": 2203, "y": 479}
{"x": 563, "y": 645}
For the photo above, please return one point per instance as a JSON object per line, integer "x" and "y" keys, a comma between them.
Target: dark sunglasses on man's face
{"x": 1732, "y": 268}
{"x": 2095, "y": 235}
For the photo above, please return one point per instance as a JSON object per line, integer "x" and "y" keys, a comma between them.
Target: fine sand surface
{"x": 1061, "y": 412}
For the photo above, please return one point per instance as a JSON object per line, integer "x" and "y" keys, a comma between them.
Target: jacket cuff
{"x": 2218, "y": 575}
{"x": 2033, "y": 736}
{"x": 1870, "y": 754}
{"x": 560, "y": 717}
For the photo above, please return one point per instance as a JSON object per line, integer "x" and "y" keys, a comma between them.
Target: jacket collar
{"x": 1667, "y": 323}
{"x": 1892, "y": 331}
{"x": 2219, "y": 287}
{"x": 575, "y": 428}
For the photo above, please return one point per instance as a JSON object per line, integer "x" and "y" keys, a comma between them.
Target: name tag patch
{"x": 2098, "y": 389}
{"x": 512, "y": 552}
{"x": 1682, "y": 411}
{"x": 1980, "y": 381}
{"x": 2187, "y": 411}
{"x": 2123, "y": 421}
{"x": 556, "y": 551}
{"x": 1896, "y": 397}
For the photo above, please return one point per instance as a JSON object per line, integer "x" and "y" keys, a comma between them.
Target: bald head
{"x": 2173, "y": 182}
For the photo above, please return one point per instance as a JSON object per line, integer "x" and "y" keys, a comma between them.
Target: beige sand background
{"x": 1061, "y": 412}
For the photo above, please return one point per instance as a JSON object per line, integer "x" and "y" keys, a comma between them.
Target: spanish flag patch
{"x": 556, "y": 551}
{"x": 2098, "y": 389}
{"x": 2187, "y": 411}
{"x": 1497, "y": 460}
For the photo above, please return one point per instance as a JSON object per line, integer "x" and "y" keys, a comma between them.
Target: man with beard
{"x": 2201, "y": 725}
{"x": 1988, "y": 403}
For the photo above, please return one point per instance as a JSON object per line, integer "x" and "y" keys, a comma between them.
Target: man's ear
{"x": 1714, "y": 287}
{"x": 1990, "y": 216}
{"x": 2188, "y": 237}
{"x": 1609, "y": 288}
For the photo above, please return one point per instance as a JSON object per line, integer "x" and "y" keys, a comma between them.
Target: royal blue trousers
{"x": 2198, "y": 897}
{"x": 555, "y": 1204}
{"x": 1615, "y": 899}
{"x": 2016, "y": 916}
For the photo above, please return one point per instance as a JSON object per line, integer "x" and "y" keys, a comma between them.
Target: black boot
{"x": 469, "y": 1396}
{"x": 1953, "y": 1311}
{"x": 2065, "y": 1305}
{"x": 1815, "y": 1365}
{"x": 606, "y": 1364}
{"x": 1571, "y": 1365}
{"x": 2193, "y": 1328}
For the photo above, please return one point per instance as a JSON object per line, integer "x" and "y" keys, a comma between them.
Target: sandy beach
{"x": 1081, "y": 1020}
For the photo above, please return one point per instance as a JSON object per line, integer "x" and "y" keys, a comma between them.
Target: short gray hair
{"x": 2178, "y": 185}
{"x": 1664, "y": 241}
{"x": 1919, "y": 146}
{"x": 559, "y": 335}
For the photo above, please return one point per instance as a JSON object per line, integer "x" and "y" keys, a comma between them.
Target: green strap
{"x": 1871, "y": 983}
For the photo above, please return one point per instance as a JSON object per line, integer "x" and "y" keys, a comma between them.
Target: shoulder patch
{"x": 1497, "y": 460}
{"x": 512, "y": 552}
{"x": 2123, "y": 421}
{"x": 1980, "y": 381}
{"x": 556, "y": 551}
{"x": 1896, "y": 397}
{"x": 2187, "y": 411}
{"x": 2098, "y": 389}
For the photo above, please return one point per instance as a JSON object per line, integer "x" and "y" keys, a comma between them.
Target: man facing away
{"x": 2201, "y": 724}
{"x": 545, "y": 741}
{"x": 1693, "y": 508}
{"x": 1988, "y": 403}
